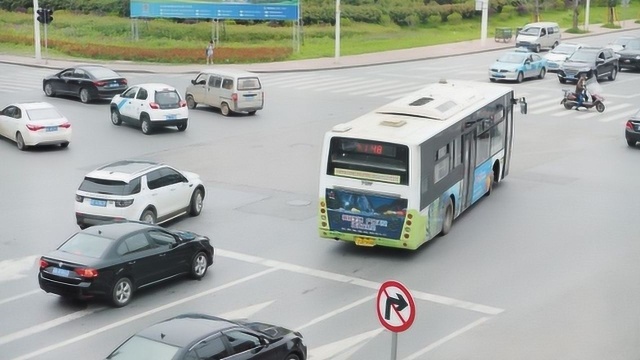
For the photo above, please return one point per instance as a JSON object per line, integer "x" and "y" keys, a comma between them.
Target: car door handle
{"x": 163, "y": 255}
{"x": 132, "y": 262}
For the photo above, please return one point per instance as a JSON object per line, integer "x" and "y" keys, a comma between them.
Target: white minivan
{"x": 537, "y": 36}
{"x": 230, "y": 90}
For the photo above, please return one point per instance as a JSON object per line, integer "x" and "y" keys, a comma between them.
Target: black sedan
{"x": 198, "y": 336}
{"x": 629, "y": 57}
{"x": 87, "y": 82}
{"x": 112, "y": 261}
{"x": 632, "y": 130}
{"x": 591, "y": 61}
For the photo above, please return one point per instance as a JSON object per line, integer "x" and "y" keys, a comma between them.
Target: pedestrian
{"x": 581, "y": 89}
{"x": 209, "y": 52}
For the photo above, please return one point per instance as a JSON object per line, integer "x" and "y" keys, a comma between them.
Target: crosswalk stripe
{"x": 542, "y": 107}
{"x": 295, "y": 82}
{"x": 305, "y": 78}
{"x": 402, "y": 92}
{"x": 608, "y": 109}
{"x": 365, "y": 85}
{"x": 621, "y": 116}
{"x": 328, "y": 84}
{"x": 385, "y": 90}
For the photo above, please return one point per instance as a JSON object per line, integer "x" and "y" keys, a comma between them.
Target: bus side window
{"x": 443, "y": 163}
{"x": 457, "y": 152}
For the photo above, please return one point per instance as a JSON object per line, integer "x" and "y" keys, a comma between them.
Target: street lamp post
{"x": 337, "y": 49}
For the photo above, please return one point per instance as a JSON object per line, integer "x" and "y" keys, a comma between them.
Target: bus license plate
{"x": 363, "y": 241}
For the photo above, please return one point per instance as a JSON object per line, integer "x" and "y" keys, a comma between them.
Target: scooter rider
{"x": 581, "y": 89}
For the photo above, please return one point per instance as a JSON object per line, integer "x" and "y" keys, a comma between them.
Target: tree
{"x": 576, "y": 12}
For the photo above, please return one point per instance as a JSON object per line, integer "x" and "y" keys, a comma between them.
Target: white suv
{"x": 137, "y": 190}
{"x": 150, "y": 106}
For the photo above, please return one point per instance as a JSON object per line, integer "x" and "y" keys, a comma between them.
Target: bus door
{"x": 508, "y": 130}
{"x": 469, "y": 160}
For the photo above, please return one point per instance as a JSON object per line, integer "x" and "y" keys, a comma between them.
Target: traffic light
{"x": 48, "y": 16}
{"x": 41, "y": 15}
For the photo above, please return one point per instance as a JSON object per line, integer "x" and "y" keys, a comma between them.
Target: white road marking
{"x": 14, "y": 269}
{"x": 366, "y": 85}
{"x": 594, "y": 113}
{"x": 343, "y": 349}
{"x": 381, "y": 90}
{"x": 328, "y": 84}
{"x": 336, "y": 312}
{"x": 46, "y": 326}
{"x": 461, "y": 304}
{"x": 140, "y": 316}
{"x": 18, "y": 297}
{"x": 247, "y": 312}
{"x": 447, "y": 338}
{"x": 622, "y": 116}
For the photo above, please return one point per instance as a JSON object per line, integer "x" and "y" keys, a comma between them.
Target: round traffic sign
{"x": 395, "y": 306}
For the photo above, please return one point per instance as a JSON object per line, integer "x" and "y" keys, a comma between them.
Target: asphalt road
{"x": 542, "y": 269}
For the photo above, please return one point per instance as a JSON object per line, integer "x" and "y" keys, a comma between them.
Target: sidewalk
{"x": 386, "y": 57}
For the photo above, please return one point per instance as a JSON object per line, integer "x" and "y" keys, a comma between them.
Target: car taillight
{"x": 123, "y": 203}
{"x": 79, "y": 198}
{"x": 99, "y": 83}
{"x": 629, "y": 125}
{"x": 123, "y": 81}
{"x": 65, "y": 125}
{"x": 43, "y": 263}
{"x": 34, "y": 127}
{"x": 154, "y": 105}
{"x": 183, "y": 103}
{"x": 234, "y": 97}
{"x": 87, "y": 272}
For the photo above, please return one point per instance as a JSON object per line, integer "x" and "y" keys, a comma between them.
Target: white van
{"x": 229, "y": 90}
{"x": 537, "y": 36}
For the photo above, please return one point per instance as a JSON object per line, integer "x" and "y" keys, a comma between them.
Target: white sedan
{"x": 33, "y": 124}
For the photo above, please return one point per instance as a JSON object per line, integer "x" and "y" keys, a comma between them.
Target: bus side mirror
{"x": 193, "y": 81}
{"x": 523, "y": 106}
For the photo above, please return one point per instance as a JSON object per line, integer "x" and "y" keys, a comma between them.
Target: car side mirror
{"x": 599, "y": 61}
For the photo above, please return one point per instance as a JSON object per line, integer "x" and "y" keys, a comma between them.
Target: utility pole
{"x": 36, "y": 31}
{"x": 337, "y": 49}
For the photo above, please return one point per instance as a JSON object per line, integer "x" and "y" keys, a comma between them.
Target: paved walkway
{"x": 386, "y": 57}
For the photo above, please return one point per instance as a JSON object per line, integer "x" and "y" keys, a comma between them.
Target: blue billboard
{"x": 216, "y": 9}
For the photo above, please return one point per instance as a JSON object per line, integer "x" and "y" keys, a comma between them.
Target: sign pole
{"x": 337, "y": 50}
{"x": 46, "y": 44}
{"x": 36, "y": 31}
{"x": 394, "y": 346}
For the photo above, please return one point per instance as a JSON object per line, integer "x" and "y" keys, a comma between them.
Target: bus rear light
{"x": 406, "y": 236}
{"x": 322, "y": 210}
{"x": 323, "y": 218}
{"x": 408, "y": 222}
{"x": 322, "y": 203}
{"x": 407, "y": 229}
{"x": 409, "y": 216}
{"x": 324, "y": 224}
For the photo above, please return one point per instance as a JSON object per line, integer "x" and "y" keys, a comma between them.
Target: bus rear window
{"x": 369, "y": 160}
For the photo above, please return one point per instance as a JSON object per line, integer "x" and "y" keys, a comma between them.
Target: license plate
{"x": 113, "y": 85}
{"x": 51, "y": 128}
{"x": 171, "y": 117}
{"x": 60, "y": 272}
{"x": 364, "y": 241}
{"x": 96, "y": 202}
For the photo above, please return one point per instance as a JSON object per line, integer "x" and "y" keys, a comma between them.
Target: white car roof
{"x": 156, "y": 86}
{"x": 124, "y": 170}
{"x": 34, "y": 105}
{"x": 229, "y": 72}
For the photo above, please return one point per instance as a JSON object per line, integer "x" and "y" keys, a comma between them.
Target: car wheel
{"x": 146, "y": 125}
{"x": 148, "y": 216}
{"x": 538, "y": 48}
{"x": 115, "y": 117}
{"x": 543, "y": 72}
{"x": 224, "y": 109}
{"x": 122, "y": 292}
{"x": 191, "y": 103}
{"x": 492, "y": 79}
{"x": 197, "y": 200}
{"x": 199, "y": 266}
{"x": 48, "y": 90}
{"x": 20, "y": 142}
{"x": 562, "y": 81}
{"x": 447, "y": 222}
{"x": 555, "y": 44}
{"x": 85, "y": 97}
{"x": 64, "y": 145}
{"x": 292, "y": 357}
{"x": 613, "y": 74}
{"x": 631, "y": 143}
{"x": 182, "y": 127}
{"x": 520, "y": 77}
{"x": 252, "y": 112}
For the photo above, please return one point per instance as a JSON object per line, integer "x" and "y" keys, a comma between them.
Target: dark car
{"x": 632, "y": 129}
{"x": 88, "y": 82}
{"x": 594, "y": 62}
{"x": 629, "y": 57}
{"x": 112, "y": 261}
{"x": 198, "y": 336}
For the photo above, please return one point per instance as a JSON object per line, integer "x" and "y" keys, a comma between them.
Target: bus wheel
{"x": 447, "y": 223}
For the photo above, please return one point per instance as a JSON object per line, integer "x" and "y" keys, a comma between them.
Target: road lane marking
{"x": 461, "y": 304}
{"x": 17, "y": 297}
{"x": 336, "y": 312}
{"x": 14, "y": 269}
{"x": 141, "y": 315}
{"x": 447, "y": 338}
{"x": 343, "y": 349}
{"x": 47, "y": 325}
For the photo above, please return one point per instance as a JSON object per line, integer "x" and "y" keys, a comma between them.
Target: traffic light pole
{"x": 46, "y": 44}
{"x": 36, "y": 30}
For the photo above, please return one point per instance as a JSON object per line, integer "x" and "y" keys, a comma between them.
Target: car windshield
{"x": 138, "y": 347}
{"x": 86, "y": 245}
{"x": 633, "y": 45}
{"x": 512, "y": 58}
{"x": 43, "y": 114}
{"x": 584, "y": 56}
{"x": 530, "y": 31}
{"x": 103, "y": 73}
{"x": 564, "y": 49}
{"x": 168, "y": 99}
{"x": 110, "y": 187}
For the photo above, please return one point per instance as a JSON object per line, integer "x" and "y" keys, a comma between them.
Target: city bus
{"x": 399, "y": 175}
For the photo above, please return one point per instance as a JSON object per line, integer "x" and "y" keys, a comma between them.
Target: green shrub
{"x": 412, "y": 20}
{"x": 435, "y": 19}
{"x": 454, "y": 18}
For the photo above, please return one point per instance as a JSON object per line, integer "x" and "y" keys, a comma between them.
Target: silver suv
{"x": 137, "y": 190}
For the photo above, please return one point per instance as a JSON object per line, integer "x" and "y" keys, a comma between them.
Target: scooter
{"x": 571, "y": 100}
